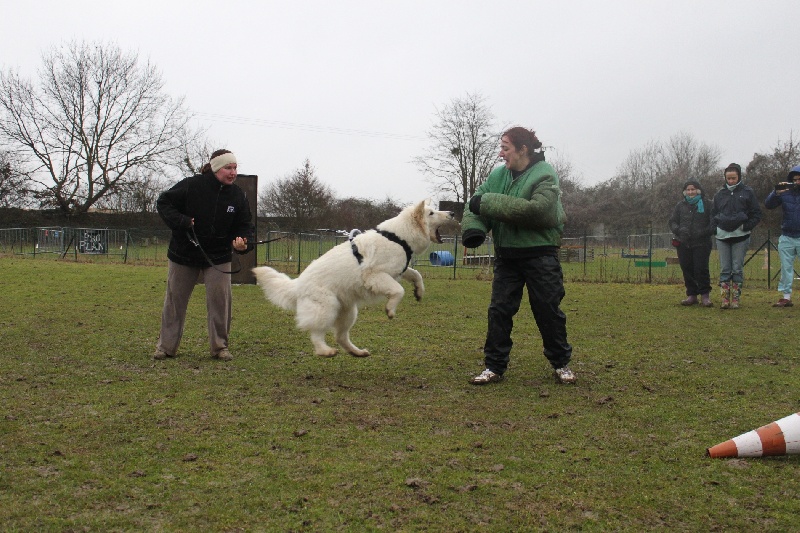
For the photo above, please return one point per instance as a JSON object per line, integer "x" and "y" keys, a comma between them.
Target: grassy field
{"x": 95, "y": 436}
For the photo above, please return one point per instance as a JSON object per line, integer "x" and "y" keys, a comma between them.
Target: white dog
{"x": 328, "y": 294}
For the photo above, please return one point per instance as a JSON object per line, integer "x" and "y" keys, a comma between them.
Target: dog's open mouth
{"x": 438, "y": 237}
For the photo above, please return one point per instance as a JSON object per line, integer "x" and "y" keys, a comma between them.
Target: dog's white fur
{"x": 327, "y": 295}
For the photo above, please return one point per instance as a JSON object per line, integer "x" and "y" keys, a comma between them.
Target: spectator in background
{"x": 692, "y": 226}
{"x": 736, "y": 213}
{"x": 208, "y": 215}
{"x": 787, "y": 195}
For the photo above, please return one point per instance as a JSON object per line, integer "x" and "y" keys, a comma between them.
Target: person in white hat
{"x": 209, "y": 216}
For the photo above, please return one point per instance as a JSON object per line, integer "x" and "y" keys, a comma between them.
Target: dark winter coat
{"x": 220, "y": 212}
{"x": 736, "y": 208}
{"x": 790, "y": 201}
{"x": 689, "y": 226}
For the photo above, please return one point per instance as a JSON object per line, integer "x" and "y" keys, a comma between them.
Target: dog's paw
{"x": 330, "y": 352}
{"x": 360, "y": 353}
{"x": 419, "y": 293}
{"x": 390, "y": 312}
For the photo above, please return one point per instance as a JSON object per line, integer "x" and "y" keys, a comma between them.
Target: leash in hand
{"x": 194, "y": 240}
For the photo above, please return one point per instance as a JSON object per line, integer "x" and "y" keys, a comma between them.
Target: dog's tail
{"x": 278, "y": 287}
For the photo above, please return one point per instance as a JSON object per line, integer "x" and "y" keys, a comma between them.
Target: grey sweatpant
{"x": 180, "y": 284}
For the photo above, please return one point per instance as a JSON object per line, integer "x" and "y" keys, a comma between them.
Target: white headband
{"x": 222, "y": 160}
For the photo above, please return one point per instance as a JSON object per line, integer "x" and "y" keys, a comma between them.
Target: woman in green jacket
{"x": 520, "y": 204}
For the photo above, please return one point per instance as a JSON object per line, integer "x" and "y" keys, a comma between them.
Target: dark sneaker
{"x": 487, "y": 376}
{"x": 224, "y": 355}
{"x": 783, "y": 302}
{"x": 565, "y": 375}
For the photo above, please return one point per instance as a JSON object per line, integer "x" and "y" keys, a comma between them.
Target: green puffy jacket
{"x": 520, "y": 213}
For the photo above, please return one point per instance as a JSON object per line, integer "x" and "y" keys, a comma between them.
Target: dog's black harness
{"x": 389, "y": 235}
{"x": 356, "y": 253}
{"x": 394, "y": 238}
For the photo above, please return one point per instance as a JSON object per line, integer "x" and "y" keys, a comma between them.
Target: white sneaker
{"x": 487, "y": 376}
{"x": 565, "y": 375}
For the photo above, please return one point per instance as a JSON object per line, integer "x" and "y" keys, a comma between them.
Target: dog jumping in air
{"x": 366, "y": 269}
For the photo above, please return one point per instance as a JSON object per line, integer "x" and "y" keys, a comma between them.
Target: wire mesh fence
{"x": 621, "y": 258}
{"x": 61, "y": 241}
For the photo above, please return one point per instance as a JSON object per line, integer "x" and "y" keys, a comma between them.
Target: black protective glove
{"x": 472, "y": 238}
{"x": 475, "y": 204}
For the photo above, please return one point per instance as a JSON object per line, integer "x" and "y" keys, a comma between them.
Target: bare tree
{"x": 14, "y": 190}
{"x": 640, "y": 169}
{"x": 362, "y": 213}
{"x": 568, "y": 177}
{"x": 139, "y": 191}
{"x": 137, "y": 194}
{"x": 300, "y": 199}
{"x": 463, "y": 148}
{"x": 571, "y": 185}
{"x": 650, "y": 180}
{"x": 605, "y": 204}
{"x": 95, "y": 115}
{"x": 765, "y": 170}
{"x": 196, "y": 150}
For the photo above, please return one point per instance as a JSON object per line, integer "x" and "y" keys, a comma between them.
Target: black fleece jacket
{"x": 220, "y": 212}
{"x": 692, "y": 228}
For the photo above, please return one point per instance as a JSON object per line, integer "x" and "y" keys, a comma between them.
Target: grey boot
{"x": 705, "y": 300}
{"x": 691, "y": 300}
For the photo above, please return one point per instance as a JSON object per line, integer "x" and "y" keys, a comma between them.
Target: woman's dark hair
{"x": 519, "y": 137}
{"x": 207, "y": 166}
{"x": 733, "y": 167}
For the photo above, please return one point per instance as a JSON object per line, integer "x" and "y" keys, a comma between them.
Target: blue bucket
{"x": 441, "y": 259}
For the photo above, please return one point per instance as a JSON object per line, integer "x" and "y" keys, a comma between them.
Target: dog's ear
{"x": 419, "y": 213}
{"x": 427, "y": 203}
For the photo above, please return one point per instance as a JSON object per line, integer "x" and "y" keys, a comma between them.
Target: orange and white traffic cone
{"x": 781, "y": 437}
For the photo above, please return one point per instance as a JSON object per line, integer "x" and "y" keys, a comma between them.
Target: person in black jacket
{"x": 736, "y": 212}
{"x": 692, "y": 225}
{"x": 208, "y": 214}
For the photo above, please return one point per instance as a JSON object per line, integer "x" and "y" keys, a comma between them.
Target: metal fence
{"x": 60, "y": 241}
{"x": 623, "y": 258}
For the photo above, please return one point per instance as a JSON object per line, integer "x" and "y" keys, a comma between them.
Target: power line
{"x": 247, "y": 121}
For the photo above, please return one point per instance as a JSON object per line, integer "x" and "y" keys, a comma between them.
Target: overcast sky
{"x": 353, "y": 85}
